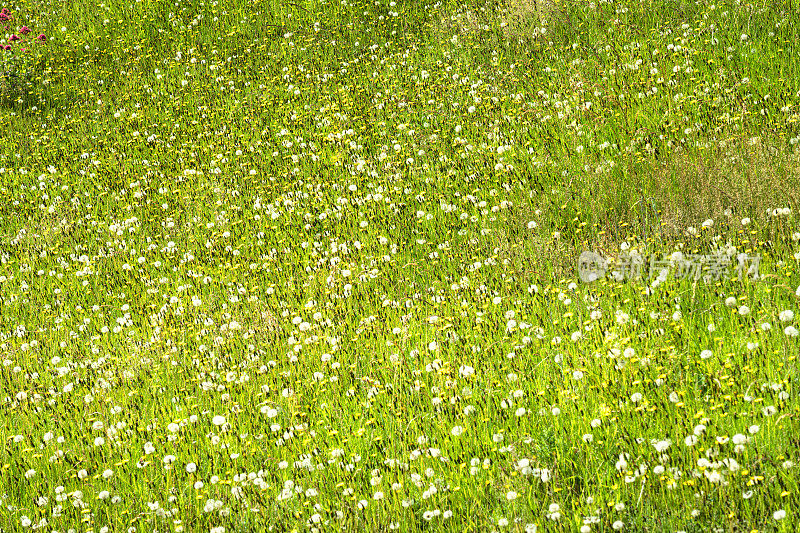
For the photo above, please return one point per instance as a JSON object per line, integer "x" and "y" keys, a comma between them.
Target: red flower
{"x": 41, "y": 37}
{"x": 24, "y": 30}
{"x": 14, "y": 37}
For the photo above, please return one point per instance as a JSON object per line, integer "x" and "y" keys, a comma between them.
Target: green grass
{"x": 313, "y": 266}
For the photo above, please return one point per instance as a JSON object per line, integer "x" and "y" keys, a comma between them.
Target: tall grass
{"x": 313, "y": 266}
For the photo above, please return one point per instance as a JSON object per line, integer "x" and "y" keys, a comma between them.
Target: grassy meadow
{"x": 313, "y": 266}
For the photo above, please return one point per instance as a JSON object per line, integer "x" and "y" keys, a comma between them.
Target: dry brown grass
{"x": 744, "y": 177}
{"x": 41, "y": 233}
{"x": 523, "y": 9}
{"x": 523, "y": 18}
{"x": 526, "y": 16}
